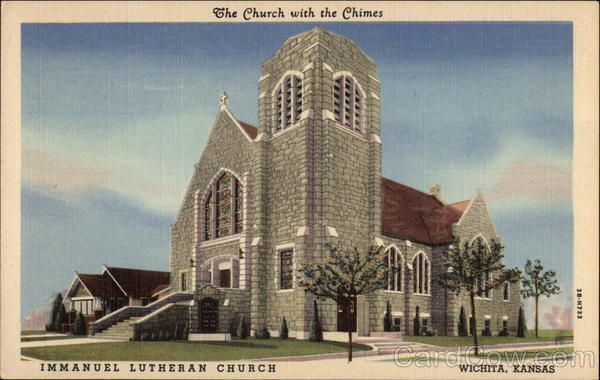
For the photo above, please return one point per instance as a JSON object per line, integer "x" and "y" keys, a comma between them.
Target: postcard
{"x": 299, "y": 190}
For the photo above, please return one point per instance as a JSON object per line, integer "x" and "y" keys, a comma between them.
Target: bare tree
{"x": 345, "y": 274}
{"x": 538, "y": 283}
{"x": 476, "y": 269}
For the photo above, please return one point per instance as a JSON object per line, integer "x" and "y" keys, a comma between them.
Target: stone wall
{"x": 232, "y": 303}
{"x": 172, "y": 321}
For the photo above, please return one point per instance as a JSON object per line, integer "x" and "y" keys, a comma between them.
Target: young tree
{"x": 538, "y": 283}
{"x": 61, "y": 316}
{"x": 521, "y": 326}
{"x": 316, "y": 332}
{"x": 475, "y": 269}
{"x": 345, "y": 274}
{"x": 387, "y": 318}
{"x": 417, "y": 322}
{"x": 283, "y": 330}
{"x": 462, "y": 322}
{"x": 50, "y": 326}
{"x": 242, "y": 330}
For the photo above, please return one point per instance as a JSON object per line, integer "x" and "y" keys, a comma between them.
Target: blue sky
{"x": 115, "y": 115}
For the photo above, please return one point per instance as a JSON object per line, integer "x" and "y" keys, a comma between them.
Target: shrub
{"x": 79, "y": 325}
{"x": 503, "y": 333}
{"x": 145, "y": 335}
{"x": 486, "y": 332}
{"x": 387, "y": 318}
{"x": 185, "y": 332}
{"x": 462, "y": 322}
{"x": 177, "y": 332}
{"x": 233, "y": 327}
{"x": 283, "y": 331}
{"x": 242, "y": 330}
{"x": 49, "y": 327}
{"x": 430, "y": 332}
{"x": 417, "y": 323}
{"x": 521, "y": 327}
{"x": 262, "y": 333}
{"x": 316, "y": 332}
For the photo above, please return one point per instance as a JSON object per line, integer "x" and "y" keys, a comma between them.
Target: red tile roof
{"x": 251, "y": 130}
{"x": 138, "y": 282}
{"x": 99, "y": 285}
{"x": 411, "y": 214}
{"x": 461, "y": 206}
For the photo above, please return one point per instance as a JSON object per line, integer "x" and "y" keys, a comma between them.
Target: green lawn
{"x": 34, "y": 339}
{"x": 34, "y": 332}
{"x": 187, "y": 351}
{"x": 457, "y": 341}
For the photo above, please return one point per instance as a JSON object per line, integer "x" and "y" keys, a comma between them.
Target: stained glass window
{"x": 208, "y": 226}
{"x": 395, "y": 263}
{"x": 421, "y": 274}
{"x": 239, "y": 210}
{"x": 286, "y": 269}
{"x": 224, "y": 205}
{"x": 223, "y": 209}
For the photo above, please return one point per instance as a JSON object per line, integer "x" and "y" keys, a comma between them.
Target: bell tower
{"x": 317, "y": 167}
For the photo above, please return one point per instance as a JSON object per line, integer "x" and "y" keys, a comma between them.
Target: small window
{"x": 425, "y": 324}
{"x": 225, "y": 278}
{"x": 397, "y": 325}
{"x": 183, "y": 282}
{"x": 286, "y": 272}
{"x": 506, "y": 291}
{"x": 505, "y": 326}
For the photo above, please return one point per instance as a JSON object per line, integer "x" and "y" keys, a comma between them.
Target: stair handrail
{"x": 136, "y": 311}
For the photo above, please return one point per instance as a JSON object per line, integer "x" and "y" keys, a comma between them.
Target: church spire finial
{"x": 223, "y": 100}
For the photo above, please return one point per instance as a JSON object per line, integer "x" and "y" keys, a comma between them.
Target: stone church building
{"x": 262, "y": 198}
{"x": 309, "y": 175}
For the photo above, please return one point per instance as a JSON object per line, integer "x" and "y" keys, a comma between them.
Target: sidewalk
{"x": 42, "y": 335}
{"x": 411, "y": 349}
{"x": 65, "y": 342}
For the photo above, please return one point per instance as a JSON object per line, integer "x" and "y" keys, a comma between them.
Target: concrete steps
{"x": 121, "y": 329}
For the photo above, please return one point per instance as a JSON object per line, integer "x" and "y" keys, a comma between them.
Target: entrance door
{"x": 342, "y": 319}
{"x": 209, "y": 315}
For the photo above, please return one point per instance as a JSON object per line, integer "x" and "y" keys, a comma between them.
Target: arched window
{"x": 288, "y": 101}
{"x": 348, "y": 102}
{"x": 223, "y": 208}
{"x": 421, "y": 273}
{"x": 396, "y": 265}
{"x": 480, "y": 244}
{"x": 208, "y": 217}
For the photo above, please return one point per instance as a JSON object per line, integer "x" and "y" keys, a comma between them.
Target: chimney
{"x": 435, "y": 190}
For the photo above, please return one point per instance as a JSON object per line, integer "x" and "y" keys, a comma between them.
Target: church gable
{"x": 475, "y": 220}
{"x": 229, "y": 147}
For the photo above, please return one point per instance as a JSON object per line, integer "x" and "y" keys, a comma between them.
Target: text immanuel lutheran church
{"x": 309, "y": 175}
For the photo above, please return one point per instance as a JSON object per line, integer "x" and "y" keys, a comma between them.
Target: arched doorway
{"x": 209, "y": 315}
